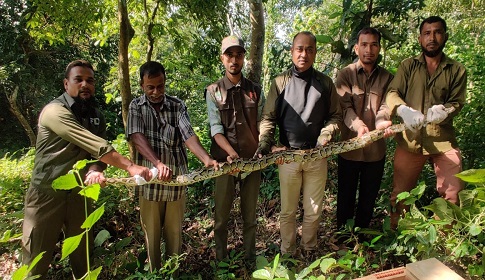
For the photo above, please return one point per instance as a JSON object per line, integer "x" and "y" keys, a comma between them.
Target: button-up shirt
{"x": 414, "y": 87}
{"x": 362, "y": 99}
{"x": 166, "y": 132}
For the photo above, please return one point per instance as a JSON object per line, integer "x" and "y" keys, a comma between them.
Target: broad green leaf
{"x": 6, "y": 236}
{"x": 70, "y": 244}
{"x": 65, "y": 182}
{"x": 123, "y": 242}
{"x": 432, "y": 234}
{"x": 80, "y": 164}
{"x": 474, "y": 176}
{"x": 327, "y": 263}
{"x": 93, "y": 217}
{"x": 419, "y": 189}
{"x": 21, "y": 273}
{"x": 475, "y": 229}
{"x": 359, "y": 261}
{"x": 324, "y": 39}
{"x": 93, "y": 274}
{"x": 91, "y": 191}
{"x": 261, "y": 262}
{"x": 101, "y": 237}
{"x": 467, "y": 198}
{"x": 261, "y": 274}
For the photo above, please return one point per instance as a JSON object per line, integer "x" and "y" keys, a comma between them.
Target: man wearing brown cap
{"x": 234, "y": 106}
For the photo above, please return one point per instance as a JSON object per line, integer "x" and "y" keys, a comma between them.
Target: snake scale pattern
{"x": 250, "y": 165}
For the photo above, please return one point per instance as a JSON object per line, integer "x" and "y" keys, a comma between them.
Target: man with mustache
{"x": 362, "y": 87}
{"x": 159, "y": 128}
{"x": 70, "y": 129}
{"x": 234, "y": 106}
{"x": 424, "y": 86}
{"x": 304, "y": 103}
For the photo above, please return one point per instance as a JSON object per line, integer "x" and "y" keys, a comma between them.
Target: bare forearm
{"x": 144, "y": 148}
{"x": 197, "y": 149}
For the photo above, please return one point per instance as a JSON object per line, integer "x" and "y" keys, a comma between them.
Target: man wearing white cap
{"x": 234, "y": 106}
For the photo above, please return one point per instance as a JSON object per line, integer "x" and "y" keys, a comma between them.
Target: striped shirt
{"x": 166, "y": 132}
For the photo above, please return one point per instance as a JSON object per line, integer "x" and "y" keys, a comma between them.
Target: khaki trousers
{"x": 225, "y": 188}
{"x": 45, "y": 217}
{"x": 162, "y": 218}
{"x": 308, "y": 178}
{"x": 408, "y": 167}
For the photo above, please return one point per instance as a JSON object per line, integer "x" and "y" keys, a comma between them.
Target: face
{"x": 154, "y": 88}
{"x": 80, "y": 84}
{"x": 432, "y": 39}
{"x": 233, "y": 60}
{"x": 367, "y": 48}
{"x": 303, "y": 52}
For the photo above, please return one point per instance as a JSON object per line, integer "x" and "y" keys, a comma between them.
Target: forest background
{"x": 39, "y": 37}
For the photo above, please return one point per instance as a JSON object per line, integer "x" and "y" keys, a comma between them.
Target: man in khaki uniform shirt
{"x": 362, "y": 87}
{"x": 426, "y": 85}
{"x": 70, "y": 129}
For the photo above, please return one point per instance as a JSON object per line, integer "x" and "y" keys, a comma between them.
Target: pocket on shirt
{"x": 358, "y": 97}
{"x": 171, "y": 136}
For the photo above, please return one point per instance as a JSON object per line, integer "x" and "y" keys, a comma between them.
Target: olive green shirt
{"x": 414, "y": 87}
{"x": 62, "y": 140}
{"x": 362, "y": 99}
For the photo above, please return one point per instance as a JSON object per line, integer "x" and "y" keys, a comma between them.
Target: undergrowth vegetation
{"x": 431, "y": 228}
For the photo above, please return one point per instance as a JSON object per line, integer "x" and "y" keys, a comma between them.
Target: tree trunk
{"x": 126, "y": 34}
{"x": 256, "y": 51}
{"x": 14, "y": 108}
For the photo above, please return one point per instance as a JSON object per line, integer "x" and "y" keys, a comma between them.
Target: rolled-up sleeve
{"x": 215, "y": 121}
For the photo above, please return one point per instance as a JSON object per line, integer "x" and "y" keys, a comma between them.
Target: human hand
{"x": 139, "y": 170}
{"x": 264, "y": 148}
{"x": 413, "y": 119}
{"x": 95, "y": 177}
{"x": 212, "y": 162}
{"x": 324, "y": 138}
{"x": 362, "y": 130}
{"x": 275, "y": 149}
{"x": 232, "y": 157}
{"x": 436, "y": 114}
{"x": 164, "y": 172}
{"x": 384, "y": 126}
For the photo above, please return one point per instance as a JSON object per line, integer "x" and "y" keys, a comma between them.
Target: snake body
{"x": 287, "y": 156}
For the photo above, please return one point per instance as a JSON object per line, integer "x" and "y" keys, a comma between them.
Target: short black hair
{"x": 152, "y": 69}
{"x": 369, "y": 30}
{"x": 75, "y": 63}
{"x": 308, "y": 33}
{"x": 432, "y": 19}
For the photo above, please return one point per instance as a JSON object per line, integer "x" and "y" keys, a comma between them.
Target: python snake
{"x": 246, "y": 166}
{"x": 250, "y": 165}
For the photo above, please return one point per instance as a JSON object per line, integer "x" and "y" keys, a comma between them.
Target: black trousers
{"x": 350, "y": 174}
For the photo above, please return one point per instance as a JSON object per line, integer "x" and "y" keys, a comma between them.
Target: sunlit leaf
{"x": 475, "y": 230}
{"x": 70, "y": 244}
{"x": 65, "y": 182}
{"x": 474, "y": 176}
{"x": 93, "y": 217}
{"x": 91, "y": 191}
{"x": 325, "y": 264}
{"x": 93, "y": 274}
{"x": 261, "y": 274}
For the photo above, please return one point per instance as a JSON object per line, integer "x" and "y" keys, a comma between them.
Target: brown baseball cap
{"x": 231, "y": 41}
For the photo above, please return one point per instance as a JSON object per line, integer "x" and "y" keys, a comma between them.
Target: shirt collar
{"x": 228, "y": 84}
{"x": 360, "y": 68}
{"x": 69, "y": 99}
{"x": 445, "y": 60}
{"x": 144, "y": 100}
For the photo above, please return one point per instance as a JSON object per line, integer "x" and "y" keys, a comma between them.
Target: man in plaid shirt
{"x": 159, "y": 126}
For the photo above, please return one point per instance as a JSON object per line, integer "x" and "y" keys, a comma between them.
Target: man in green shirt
{"x": 426, "y": 85}
{"x": 70, "y": 129}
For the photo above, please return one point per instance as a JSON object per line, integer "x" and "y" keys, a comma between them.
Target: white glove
{"x": 141, "y": 181}
{"x": 413, "y": 119}
{"x": 436, "y": 114}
